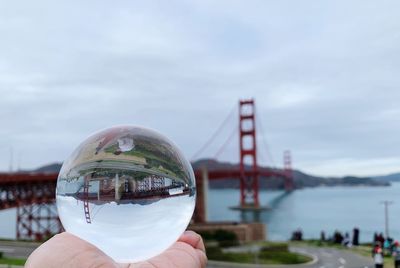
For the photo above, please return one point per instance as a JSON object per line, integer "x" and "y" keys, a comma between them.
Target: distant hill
{"x": 395, "y": 177}
{"x": 301, "y": 179}
{"x": 50, "y": 168}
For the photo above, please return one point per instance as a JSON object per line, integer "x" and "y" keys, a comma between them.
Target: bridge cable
{"x": 261, "y": 156}
{"x": 265, "y": 143}
{"x": 226, "y": 143}
{"x": 214, "y": 135}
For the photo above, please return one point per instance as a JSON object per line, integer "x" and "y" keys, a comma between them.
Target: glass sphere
{"x": 127, "y": 190}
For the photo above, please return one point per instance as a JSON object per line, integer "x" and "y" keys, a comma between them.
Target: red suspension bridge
{"x": 33, "y": 194}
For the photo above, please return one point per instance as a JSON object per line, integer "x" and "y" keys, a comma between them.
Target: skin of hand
{"x": 67, "y": 250}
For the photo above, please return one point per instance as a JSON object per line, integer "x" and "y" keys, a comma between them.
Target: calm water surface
{"x": 311, "y": 209}
{"x": 316, "y": 209}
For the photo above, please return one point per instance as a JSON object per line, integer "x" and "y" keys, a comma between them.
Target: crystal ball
{"x": 127, "y": 190}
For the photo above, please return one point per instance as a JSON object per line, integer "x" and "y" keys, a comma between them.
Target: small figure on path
{"x": 380, "y": 238}
{"x": 378, "y": 257}
{"x": 346, "y": 240}
{"x": 396, "y": 254}
{"x": 375, "y": 238}
{"x": 387, "y": 246}
{"x": 337, "y": 237}
{"x": 297, "y": 235}
{"x": 356, "y": 235}
{"x": 323, "y": 236}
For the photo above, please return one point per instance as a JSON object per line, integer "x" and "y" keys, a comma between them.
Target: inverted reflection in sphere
{"x": 127, "y": 190}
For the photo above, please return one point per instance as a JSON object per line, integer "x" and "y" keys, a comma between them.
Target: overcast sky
{"x": 325, "y": 77}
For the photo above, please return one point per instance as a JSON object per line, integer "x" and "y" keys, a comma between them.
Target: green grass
{"x": 263, "y": 257}
{"x": 363, "y": 250}
{"x": 273, "y": 246}
{"x": 317, "y": 243}
{"x": 153, "y": 160}
{"x": 11, "y": 261}
{"x": 270, "y": 252}
{"x": 281, "y": 257}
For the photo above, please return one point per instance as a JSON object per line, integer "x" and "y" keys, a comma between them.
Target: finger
{"x": 196, "y": 254}
{"x": 184, "y": 255}
{"x": 202, "y": 257}
{"x": 193, "y": 239}
{"x": 179, "y": 255}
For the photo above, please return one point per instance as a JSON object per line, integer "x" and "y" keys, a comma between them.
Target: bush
{"x": 1, "y": 254}
{"x": 215, "y": 253}
{"x": 281, "y": 257}
{"x": 207, "y": 235}
{"x": 273, "y": 247}
{"x": 222, "y": 235}
{"x": 266, "y": 257}
{"x": 224, "y": 238}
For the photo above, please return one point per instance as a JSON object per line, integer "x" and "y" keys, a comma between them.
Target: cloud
{"x": 324, "y": 77}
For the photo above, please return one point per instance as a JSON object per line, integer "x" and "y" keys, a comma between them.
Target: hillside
{"x": 301, "y": 179}
{"x": 395, "y": 177}
{"x": 50, "y": 168}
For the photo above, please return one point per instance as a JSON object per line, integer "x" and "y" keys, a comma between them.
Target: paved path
{"x": 334, "y": 258}
{"x": 19, "y": 250}
{"x": 325, "y": 258}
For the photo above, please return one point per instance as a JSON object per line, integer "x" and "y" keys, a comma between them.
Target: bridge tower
{"x": 86, "y": 207}
{"x": 248, "y": 155}
{"x": 37, "y": 221}
{"x": 287, "y": 169}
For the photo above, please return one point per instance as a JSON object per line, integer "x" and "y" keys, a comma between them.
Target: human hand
{"x": 69, "y": 251}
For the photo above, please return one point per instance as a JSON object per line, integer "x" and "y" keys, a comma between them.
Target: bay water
{"x": 310, "y": 209}
{"x": 316, "y": 209}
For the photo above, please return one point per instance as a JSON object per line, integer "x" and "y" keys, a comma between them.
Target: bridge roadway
{"x": 18, "y": 189}
{"x": 8, "y": 178}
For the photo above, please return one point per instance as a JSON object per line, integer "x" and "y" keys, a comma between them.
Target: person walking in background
{"x": 297, "y": 235}
{"x": 375, "y": 238}
{"x": 337, "y": 237}
{"x": 396, "y": 254}
{"x": 378, "y": 257}
{"x": 356, "y": 235}
{"x": 380, "y": 239}
{"x": 393, "y": 247}
{"x": 346, "y": 240}
{"x": 323, "y": 236}
{"x": 387, "y": 247}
